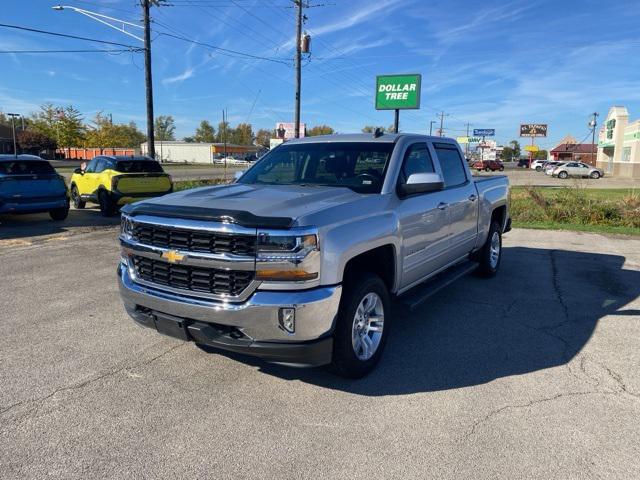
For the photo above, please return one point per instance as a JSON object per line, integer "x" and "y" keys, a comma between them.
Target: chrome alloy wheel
{"x": 368, "y": 323}
{"x": 494, "y": 250}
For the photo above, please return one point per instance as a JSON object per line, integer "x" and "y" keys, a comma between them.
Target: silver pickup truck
{"x": 299, "y": 261}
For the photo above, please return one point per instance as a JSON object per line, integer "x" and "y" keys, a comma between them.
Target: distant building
{"x": 619, "y": 144}
{"x": 6, "y": 139}
{"x": 570, "y": 150}
{"x": 190, "y": 152}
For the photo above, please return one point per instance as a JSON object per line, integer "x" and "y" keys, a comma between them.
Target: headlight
{"x": 126, "y": 227}
{"x": 288, "y": 256}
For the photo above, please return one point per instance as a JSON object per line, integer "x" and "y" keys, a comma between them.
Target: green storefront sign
{"x": 398, "y": 92}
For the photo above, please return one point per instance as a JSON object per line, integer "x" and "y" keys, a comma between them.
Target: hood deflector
{"x": 239, "y": 217}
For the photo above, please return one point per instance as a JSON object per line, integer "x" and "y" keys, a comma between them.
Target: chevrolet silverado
{"x": 298, "y": 261}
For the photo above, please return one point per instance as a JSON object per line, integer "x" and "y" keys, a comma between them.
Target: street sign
{"x": 465, "y": 140}
{"x": 533, "y": 130}
{"x": 484, "y": 132}
{"x": 531, "y": 148}
{"x": 398, "y": 92}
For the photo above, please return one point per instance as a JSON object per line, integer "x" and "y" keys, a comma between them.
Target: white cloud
{"x": 188, "y": 73}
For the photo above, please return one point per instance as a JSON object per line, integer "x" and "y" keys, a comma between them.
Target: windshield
{"x": 359, "y": 166}
{"x": 138, "y": 166}
{"x": 25, "y": 167}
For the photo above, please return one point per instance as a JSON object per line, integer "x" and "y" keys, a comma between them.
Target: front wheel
{"x": 76, "y": 199}
{"x": 491, "y": 253}
{"x": 563, "y": 175}
{"x": 501, "y": 169}
{"x": 59, "y": 214}
{"x": 595, "y": 175}
{"x": 362, "y": 327}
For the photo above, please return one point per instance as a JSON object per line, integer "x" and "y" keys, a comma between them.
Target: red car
{"x": 488, "y": 165}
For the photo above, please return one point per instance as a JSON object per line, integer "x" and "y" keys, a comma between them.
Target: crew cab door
{"x": 461, "y": 197}
{"x": 423, "y": 221}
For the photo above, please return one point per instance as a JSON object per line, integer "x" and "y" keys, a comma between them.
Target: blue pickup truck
{"x": 29, "y": 184}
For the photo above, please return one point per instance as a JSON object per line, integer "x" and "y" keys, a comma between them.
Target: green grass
{"x": 591, "y": 193}
{"x": 188, "y": 184}
{"x": 577, "y": 208}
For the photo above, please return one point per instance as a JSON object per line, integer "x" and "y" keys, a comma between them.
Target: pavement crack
{"x": 89, "y": 381}
{"x": 529, "y": 404}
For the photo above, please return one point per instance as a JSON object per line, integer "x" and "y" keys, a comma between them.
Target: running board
{"x": 415, "y": 297}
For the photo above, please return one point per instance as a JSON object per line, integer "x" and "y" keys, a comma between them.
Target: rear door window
{"x": 138, "y": 166}
{"x": 453, "y": 171}
{"x": 25, "y": 167}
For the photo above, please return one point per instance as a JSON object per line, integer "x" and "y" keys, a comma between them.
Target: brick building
{"x": 569, "y": 150}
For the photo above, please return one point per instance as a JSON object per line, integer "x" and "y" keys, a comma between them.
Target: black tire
{"x": 563, "y": 175}
{"x": 538, "y": 169}
{"x": 77, "y": 201}
{"x": 501, "y": 169}
{"x": 107, "y": 208}
{"x": 595, "y": 175}
{"x": 486, "y": 169}
{"x": 59, "y": 214}
{"x": 345, "y": 359}
{"x": 488, "y": 264}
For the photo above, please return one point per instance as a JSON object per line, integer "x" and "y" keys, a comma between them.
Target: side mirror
{"x": 79, "y": 171}
{"x": 421, "y": 183}
{"x": 238, "y": 174}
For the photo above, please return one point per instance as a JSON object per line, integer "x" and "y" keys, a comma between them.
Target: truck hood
{"x": 276, "y": 206}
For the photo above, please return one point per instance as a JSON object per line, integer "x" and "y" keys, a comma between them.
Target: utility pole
{"x": 13, "y": 128}
{"x": 593, "y": 123}
{"x": 298, "y": 65}
{"x": 466, "y": 147}
{"x": 431, "y": 127}
{"x": 442, "y": 115}
{"x": 151, "y": 147}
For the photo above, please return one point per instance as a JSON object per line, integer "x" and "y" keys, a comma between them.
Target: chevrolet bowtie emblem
{"x": 172, "y": 256}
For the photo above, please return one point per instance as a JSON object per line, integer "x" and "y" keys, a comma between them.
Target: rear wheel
{"x": 362, "y": 327}
{"x": 563, "y": 175}
{"x": 490, "y": 255}
{"x": 76, "y": 199}
{"x": 595, "y": 175}
{"x": 486, "y": 169}
{"x": 501, "y": 169}
{"x": 107, "y": 207}
{"x": 59, "y": 214}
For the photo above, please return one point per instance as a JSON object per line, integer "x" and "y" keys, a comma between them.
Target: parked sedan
{"x": 577, "y": 169}
{"x": 29, "y": 184}
{"x": 488, "y": 165}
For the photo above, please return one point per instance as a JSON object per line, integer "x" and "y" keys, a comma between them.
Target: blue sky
{"x": 493, "y": 63}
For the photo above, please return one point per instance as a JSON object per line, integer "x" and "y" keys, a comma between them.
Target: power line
{"x": 214, "y": 47}
{"x": 115, "y": 51}
{"x": 75, "y": 37}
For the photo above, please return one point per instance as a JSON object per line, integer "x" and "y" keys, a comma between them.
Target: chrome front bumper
{"x": 256, "y": 317}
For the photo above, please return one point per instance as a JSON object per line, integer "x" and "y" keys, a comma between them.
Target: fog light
{"x": 287, "y": 319}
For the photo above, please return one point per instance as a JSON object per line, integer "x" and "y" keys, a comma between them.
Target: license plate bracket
{"x": 171, "y": 326}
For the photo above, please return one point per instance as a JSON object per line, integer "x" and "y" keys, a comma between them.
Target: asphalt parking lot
{"x": 533, "y": 374}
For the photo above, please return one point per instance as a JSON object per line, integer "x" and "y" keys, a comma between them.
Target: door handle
{"x": 473, "y": 197}
{"x": 443, "y": 206}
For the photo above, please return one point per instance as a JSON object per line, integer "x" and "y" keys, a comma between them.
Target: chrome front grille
{"x": 195, "y": 279}
{"x": 193, "y": 240}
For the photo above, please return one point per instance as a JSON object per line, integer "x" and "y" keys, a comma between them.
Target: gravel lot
{"x": 533, "y": 374}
